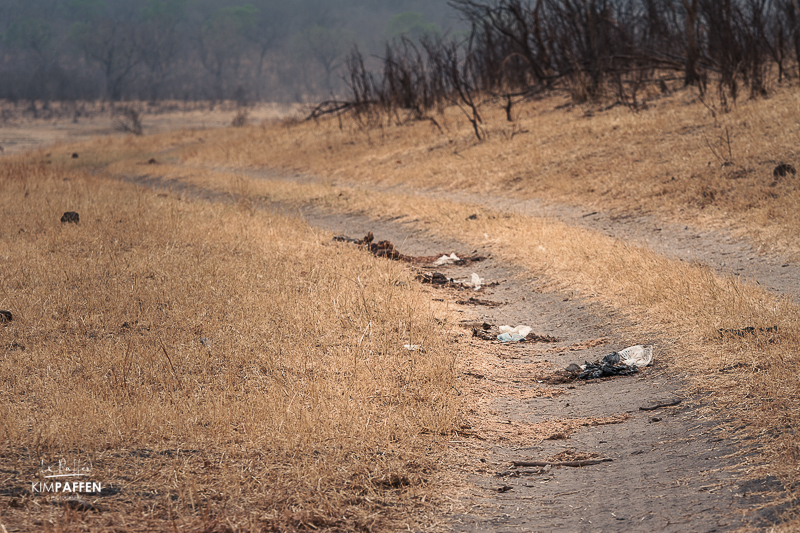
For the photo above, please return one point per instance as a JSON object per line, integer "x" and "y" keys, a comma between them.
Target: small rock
{"x": 74, "y": 155}
{"x": 5, "y": 317}
{"x": 70, "y": 217}
{"x": 783, "y": 170}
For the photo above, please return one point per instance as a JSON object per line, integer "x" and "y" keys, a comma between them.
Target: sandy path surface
{"x": 671, "y": 470}
{"x": 671, "y": 474}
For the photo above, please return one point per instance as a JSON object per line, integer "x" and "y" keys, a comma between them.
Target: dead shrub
{"x": 241, "y": 118}
{"x": 128, "y": 120}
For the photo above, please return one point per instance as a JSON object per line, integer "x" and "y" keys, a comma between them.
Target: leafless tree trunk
{"x": 692, "y": 49}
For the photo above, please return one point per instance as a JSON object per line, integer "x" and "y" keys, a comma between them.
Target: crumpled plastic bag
{"x": 521, "y": 330}
{"x": 477, "y": 281}
{"x": 515, "y": 334}
{"x": 622, "y": 363}
{"x": 447, "y": 260}
{"x": 639, "y": 355}
{"x": 609, "y": 366}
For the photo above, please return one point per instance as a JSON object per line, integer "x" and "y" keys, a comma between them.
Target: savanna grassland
{"x": 218, "y": 367}
{"x": 679, "y": 157}
{"x": 239, "y": 368}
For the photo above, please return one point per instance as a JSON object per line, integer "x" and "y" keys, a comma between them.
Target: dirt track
{"x": 717, "y": 249}
{"x": 670, "y": 469}
{"x": 720, "y": 250}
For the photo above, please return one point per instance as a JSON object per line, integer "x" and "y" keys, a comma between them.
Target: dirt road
{"x": 670, "y": 469}
{"x": 720, "y": 250}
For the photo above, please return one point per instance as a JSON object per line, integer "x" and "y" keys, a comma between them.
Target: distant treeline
{"x": 591, "y": 49}
{"x": 244, "y": 50}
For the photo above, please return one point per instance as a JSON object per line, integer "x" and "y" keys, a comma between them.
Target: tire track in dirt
{"x": 675, "y": 474}
{"x": 671, "y": 470}
{"x": 718, "y": 249}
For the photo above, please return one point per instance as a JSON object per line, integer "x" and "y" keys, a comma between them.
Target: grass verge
{"x": 214, "y": 367}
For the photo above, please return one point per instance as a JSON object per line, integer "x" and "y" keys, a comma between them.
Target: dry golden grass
{"x": 672, "y": 159}
{"x": 614, "y": 160}
{"x": 55, "y": 122}
{"x": 749, "y": 381}
{"x": 222, "y": 368}
{"x": 688, "y": 302}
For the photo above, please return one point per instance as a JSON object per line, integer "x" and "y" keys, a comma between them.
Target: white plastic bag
{"x": 639, "y": 355}
{"x": 519, "y": 330}
{"x": 446, "y": 260}
{"x": 477, "y": 281}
